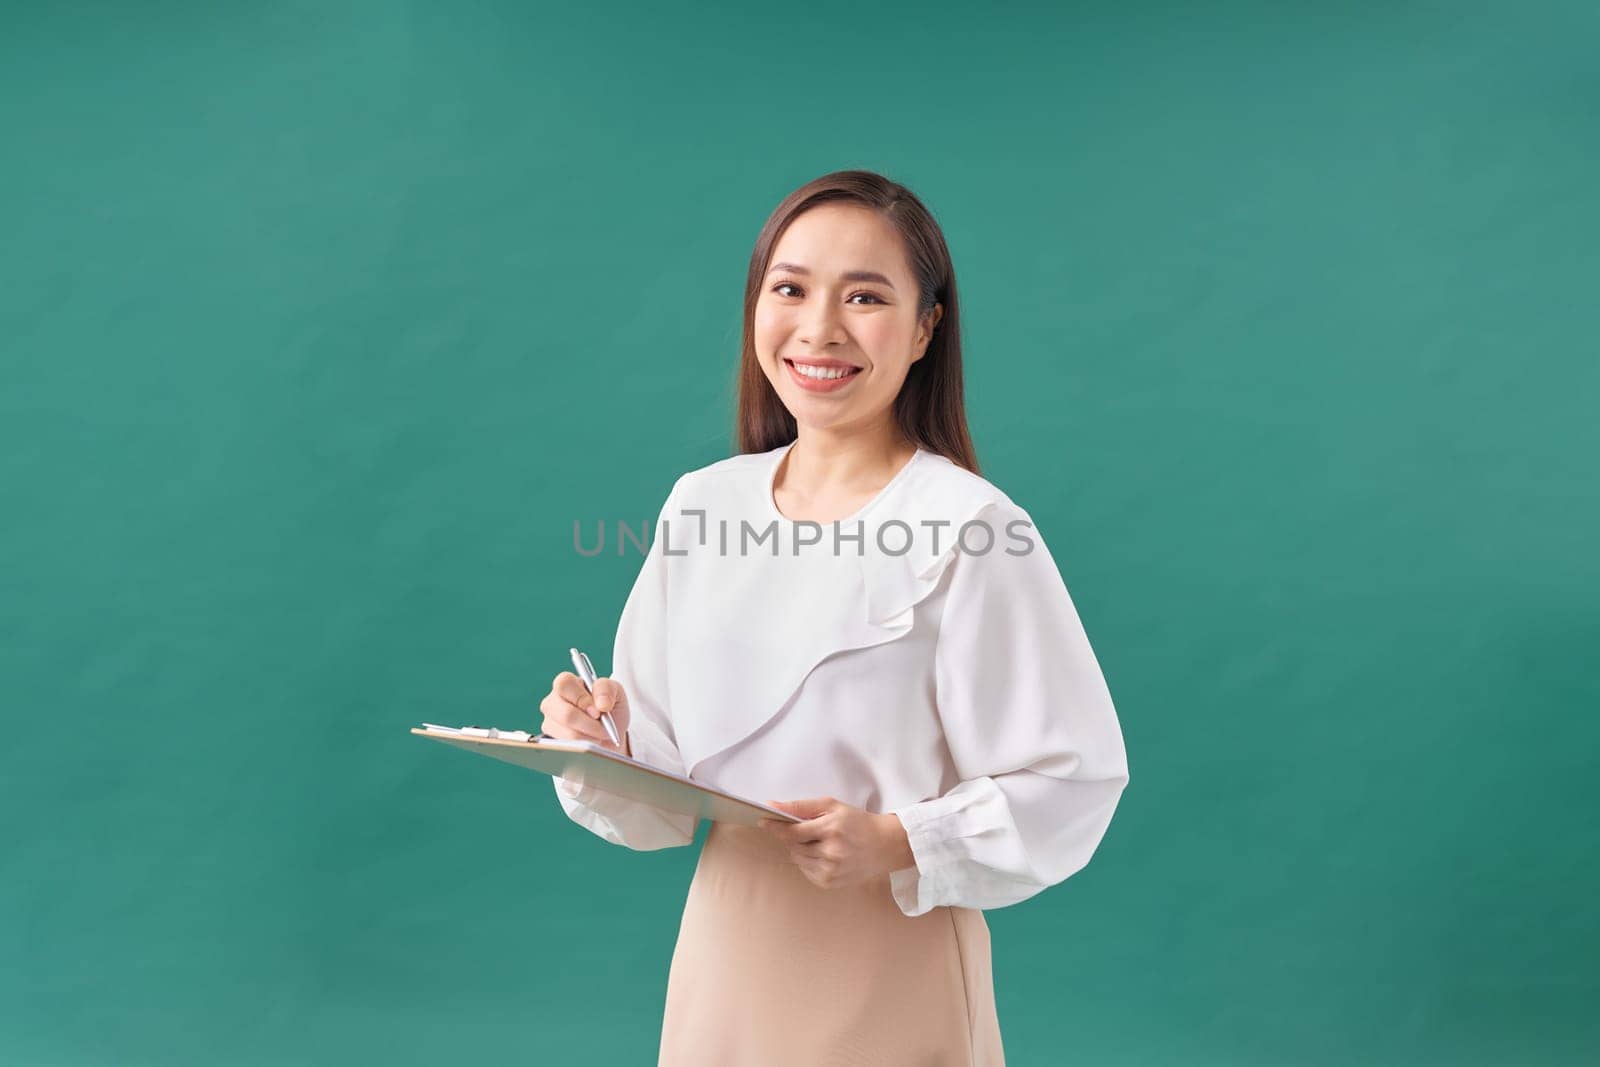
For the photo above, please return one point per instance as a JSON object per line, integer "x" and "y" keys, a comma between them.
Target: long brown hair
{"x": 931, "y": 408}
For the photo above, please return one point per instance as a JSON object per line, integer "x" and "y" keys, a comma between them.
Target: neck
{"x": 822, "y": 460}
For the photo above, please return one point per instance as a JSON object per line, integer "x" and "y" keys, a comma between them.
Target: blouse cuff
{"x": 622, "y": 820}
{"x": 969, "y": 853}
{"x": 931, "y": 882}
{"x": 593, "y": 801}
{"x": 586, "y": 795}
{"x": 591, "y": 808}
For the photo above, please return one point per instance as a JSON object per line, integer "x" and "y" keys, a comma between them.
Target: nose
{"x": 823, "y": 324}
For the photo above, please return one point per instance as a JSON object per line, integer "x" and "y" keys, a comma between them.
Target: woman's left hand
{"x": 839, "y": 845}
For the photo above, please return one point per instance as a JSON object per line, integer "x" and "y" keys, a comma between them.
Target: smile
{"x": 822, "y": 379}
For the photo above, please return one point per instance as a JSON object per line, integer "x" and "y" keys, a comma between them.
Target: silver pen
{"x": 585, "y": 670}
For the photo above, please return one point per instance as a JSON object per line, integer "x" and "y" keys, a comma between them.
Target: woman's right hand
{"x": 571, "y": 713}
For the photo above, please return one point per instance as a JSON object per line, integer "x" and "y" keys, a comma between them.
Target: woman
{"x": 848, "y": 616}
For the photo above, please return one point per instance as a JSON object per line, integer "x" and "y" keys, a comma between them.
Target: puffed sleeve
{"x": 1030, "y": 727}
{"x": 639, "y": 663}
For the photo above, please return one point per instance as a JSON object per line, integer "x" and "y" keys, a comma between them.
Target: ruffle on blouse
{"x": 744, "y": 631}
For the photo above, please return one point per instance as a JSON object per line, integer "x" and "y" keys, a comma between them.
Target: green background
{"x": 322, "y": 324}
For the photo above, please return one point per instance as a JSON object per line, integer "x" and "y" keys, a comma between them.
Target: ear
{"x": 925, "y": 332}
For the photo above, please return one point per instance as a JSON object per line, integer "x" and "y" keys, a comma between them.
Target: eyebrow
{"x": 849, "y": 275}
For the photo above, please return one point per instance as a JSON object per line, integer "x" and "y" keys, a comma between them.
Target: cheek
{"x": 888, "y": 344}
{"x": 767, "y": 327}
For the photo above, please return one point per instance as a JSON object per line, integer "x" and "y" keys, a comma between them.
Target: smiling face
{"x": 836, "y": 324}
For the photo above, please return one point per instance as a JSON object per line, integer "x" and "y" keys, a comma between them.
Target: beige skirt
{"x": 772, "y": 971}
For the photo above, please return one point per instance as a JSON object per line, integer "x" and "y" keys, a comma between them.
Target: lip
{"x": 813, "y": 361}
{"x": 815, "y": 385}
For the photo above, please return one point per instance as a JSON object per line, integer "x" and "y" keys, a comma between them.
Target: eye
{"x": 790, "y": 285}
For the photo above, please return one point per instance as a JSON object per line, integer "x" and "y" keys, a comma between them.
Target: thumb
{"x": 608, "y": 695}
{"x": 806, "y": 809}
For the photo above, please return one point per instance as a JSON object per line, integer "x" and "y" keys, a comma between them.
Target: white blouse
{"x": 921, "y": 657}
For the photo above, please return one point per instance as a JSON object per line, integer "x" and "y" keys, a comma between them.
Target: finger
{"x": 554, "y": 711}
{"x": 560, "y": 728}
{"x": 792, "y": 830}
{"x": 810, "y": 829}
{"x": 608, "y": 695}
{"x": 798, "y": 833}
{"x": 811, "y": 808}
{"x": 570, "y": 687}
{"x": 579, "y": 723}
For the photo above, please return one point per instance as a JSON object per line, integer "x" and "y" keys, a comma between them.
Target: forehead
{"x": 834, "y": 238}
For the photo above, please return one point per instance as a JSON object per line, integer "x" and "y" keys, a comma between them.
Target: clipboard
{"x": 586, "y": 763}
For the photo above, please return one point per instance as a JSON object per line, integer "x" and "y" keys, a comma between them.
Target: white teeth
{"x": 819, "y": 372}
